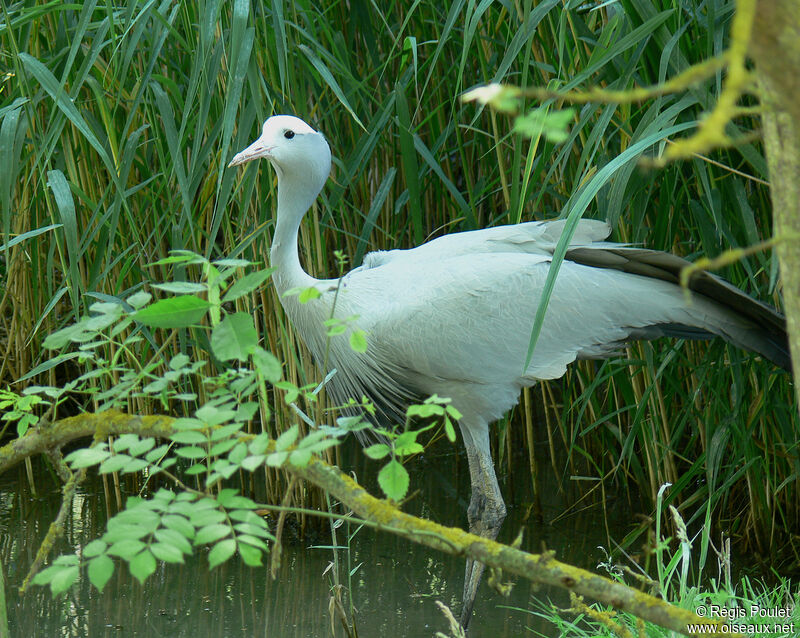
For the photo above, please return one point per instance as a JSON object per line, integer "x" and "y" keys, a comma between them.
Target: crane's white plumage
{"x": 453, "y": 317}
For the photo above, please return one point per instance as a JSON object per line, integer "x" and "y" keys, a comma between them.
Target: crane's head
{"x": 294, "y": 148}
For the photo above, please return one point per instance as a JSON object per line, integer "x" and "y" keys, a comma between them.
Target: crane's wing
{"x": 538, "y": 238}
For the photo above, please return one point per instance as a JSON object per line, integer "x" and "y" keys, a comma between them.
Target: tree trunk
{"x": 775, "y": 48}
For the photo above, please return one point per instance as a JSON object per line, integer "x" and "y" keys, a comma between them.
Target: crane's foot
{"x": 486, "y": 515}
{"x": 486, "y": 511}
{"x": 472, "y": 578}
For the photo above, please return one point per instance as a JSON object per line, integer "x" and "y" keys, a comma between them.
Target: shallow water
{"x": 394, "y": 588}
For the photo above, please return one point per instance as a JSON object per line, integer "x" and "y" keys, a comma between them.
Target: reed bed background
{"x": 117, "y": 121}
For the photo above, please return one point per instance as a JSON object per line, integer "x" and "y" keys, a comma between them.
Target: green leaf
{"x": 227, "y": 496}
{"x": 60, "y": 338}
{"x": 424, "y": 411}
{"x": 319, "y": 446}
{"x": 179, "y": 361}
{"x": 252, "y": 463}
{"x": 67, "y": 559}
{"x": 276, "y": 459}
{"x": 406, "y": 444}
{"x": 174, "y": 312}
{"x": 94, "y": 548}
{"x": 251, "y": 540}
{"x": 224, "y": 431}
{"x": 176, "y": 524}
{"x": 180, "y": 257}
{"x": 267, "y": 364}
{"x": 142, "y": 446}
{"x": 29, "y": 235}
{"x": 181, "y": 287}
{"x": 311, "y": 438}
{"x": 124, "y": 533}
{"x": 287, "y": 438}
{"x": 139, "y": 299}
{"x": 300, "y": 458}
{"x": 197, "y": 468}
{"x": 100, "y": 571}
{"x": 142, "y": 565}
{"x": 86, "y": 457}
{"x": 125, "y": 441}
{"x": 250, "y": 555}
{"x": 46, "y": 575}
{"x": 247, "y": 284}
{"x": 214, "y": 415}
{"x": 66, "y": 105}
{"x": 259, "y": 444}
{"x": 229, "y": 262}
{"x": 222, "y": 447}
{"x": 189, "y": 437}
{"x": 157, "y": 453}
{"x": 191, "y": 452}
{"x": 221, "y": 552}
{"x": 449, "y": 430}
{"x": 126, "y": 549}
{"x": 134, "y": 465}
{"x": 224, "y": 468}
{"x": 238, "y": 453}
{"x": 330, "y": 80}
{"x": 377, "y": 451}
{"x": 185, "y": 423}
{"x": 211, "y": 533}
{"x": 167, "y": 552}
{"x": 336, "y": 329}
{"x": 245, "y": 412}
{"x": 114, "y": 463}
{"x": 307, "y": 294}
{"x": 63, "y": 578}
{"x": 248, "y": 516}
{"x": 553, "y": 125}
{"x": 234, "y": 337}
{"x": 249, "y": 528}
{"x": 358, "y": 341}
{"x": 394, "y": 480}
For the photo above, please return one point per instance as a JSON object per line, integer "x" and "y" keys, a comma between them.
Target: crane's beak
{"x": 256, "y": 150}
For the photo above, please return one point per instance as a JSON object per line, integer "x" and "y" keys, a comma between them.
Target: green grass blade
{"x": 574, "y": 211}
{"x": 69, "y": 222}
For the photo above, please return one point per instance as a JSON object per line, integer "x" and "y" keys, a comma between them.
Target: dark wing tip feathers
{"x": 771, "y": 339}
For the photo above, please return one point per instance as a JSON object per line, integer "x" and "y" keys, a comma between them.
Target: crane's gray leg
{"x": 486, "y": 510}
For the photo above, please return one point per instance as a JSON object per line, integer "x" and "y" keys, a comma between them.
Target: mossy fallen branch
{"x": 542, "y": 568}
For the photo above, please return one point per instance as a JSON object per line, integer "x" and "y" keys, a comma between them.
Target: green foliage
{"x": 541, "y": 122}
{"x": 120, "y": 327}
{"x": 166, "y": 528}
{"x": 393, "y": 478}
{"x": 20, "y": 409}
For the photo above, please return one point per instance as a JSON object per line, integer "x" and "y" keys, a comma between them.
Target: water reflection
{"x": 394, "y": 586}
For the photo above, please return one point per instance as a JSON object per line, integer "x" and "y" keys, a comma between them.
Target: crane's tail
{"x": 745, "y": 322}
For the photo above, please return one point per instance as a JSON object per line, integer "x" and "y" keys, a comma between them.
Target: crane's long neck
{"x": 294, "y": 199}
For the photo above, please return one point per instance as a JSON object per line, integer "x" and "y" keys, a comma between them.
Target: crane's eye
{"x": 288, "y": 134}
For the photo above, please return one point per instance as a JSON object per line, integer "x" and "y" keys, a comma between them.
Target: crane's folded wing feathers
{"x": 538, "y": 238}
